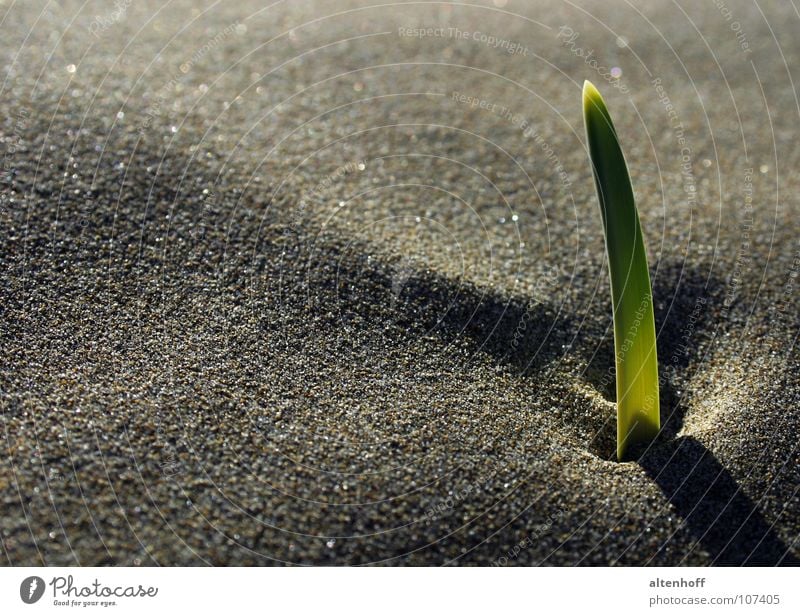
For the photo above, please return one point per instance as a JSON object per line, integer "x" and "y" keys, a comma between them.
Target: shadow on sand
{"x": 717, "y": 513}
{"x": 713, "y": 507}
{"x": 704, "y": 494}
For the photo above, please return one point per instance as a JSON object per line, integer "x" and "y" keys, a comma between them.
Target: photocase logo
{"x": 31, "y": 589}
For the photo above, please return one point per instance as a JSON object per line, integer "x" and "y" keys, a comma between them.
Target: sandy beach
{"x": 325, "y": 283}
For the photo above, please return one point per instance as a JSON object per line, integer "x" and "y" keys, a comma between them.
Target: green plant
{"x": 632, "y": 298}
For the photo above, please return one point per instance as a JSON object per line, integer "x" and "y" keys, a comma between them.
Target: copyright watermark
{"x": 569, "y": 39}
{"x": 512, "y": 48}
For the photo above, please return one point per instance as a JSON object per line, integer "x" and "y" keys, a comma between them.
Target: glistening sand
{"x": 273, "y": 291}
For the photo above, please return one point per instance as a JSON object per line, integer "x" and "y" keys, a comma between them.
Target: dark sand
{"x": 271, "y": 295}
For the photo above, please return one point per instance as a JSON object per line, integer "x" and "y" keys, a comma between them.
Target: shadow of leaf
{"x": 713, "y": 506}
{"x": 529, "y": 334}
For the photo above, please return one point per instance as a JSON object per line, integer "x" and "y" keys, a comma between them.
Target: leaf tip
{"x": 591, "y": 93}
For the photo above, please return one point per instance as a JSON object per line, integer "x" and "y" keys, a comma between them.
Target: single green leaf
{"x": 632, "y": 298}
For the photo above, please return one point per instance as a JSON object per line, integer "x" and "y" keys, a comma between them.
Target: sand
{"x": 310, "y": 285}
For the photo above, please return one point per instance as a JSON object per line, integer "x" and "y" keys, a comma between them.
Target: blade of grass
{"x": 638, "y": 418}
